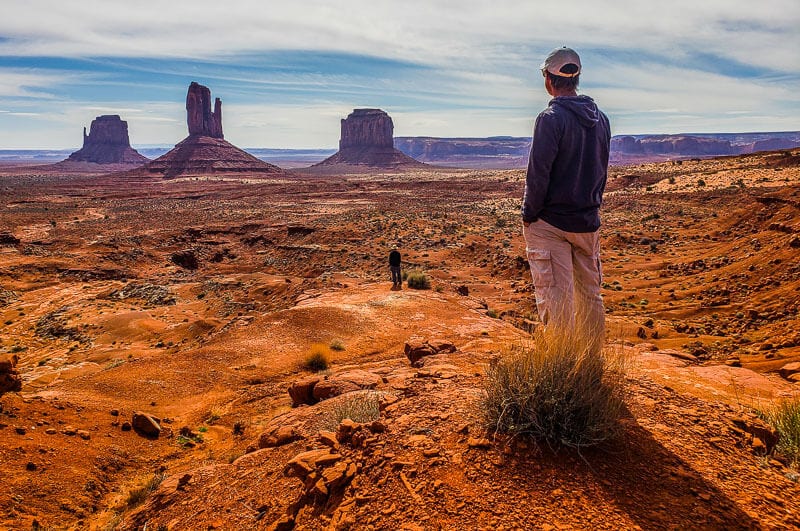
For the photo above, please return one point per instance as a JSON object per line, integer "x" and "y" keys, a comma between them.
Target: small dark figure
{"x": 394, "y": 266}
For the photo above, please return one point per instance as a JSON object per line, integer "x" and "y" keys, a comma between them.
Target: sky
{"x": 288, "y": 72}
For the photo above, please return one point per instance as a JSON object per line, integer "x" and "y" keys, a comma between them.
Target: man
{"x": 394, "y": 267}
{"x": 567, "y": 172}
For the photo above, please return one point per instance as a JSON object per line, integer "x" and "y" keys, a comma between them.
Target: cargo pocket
{"x": 599, "y": 271}
{"x": 541, "y": 267}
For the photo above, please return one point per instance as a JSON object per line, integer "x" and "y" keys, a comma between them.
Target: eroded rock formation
{"x": 199, "y": 116}
{"x": 205, "y": 151}
{"x": 367, "y": 127}
{"x": 367, "y": 140}
{"x": 107, "y": 143}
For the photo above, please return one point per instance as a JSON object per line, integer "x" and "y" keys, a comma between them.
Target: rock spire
{"x": 201, "y": 119}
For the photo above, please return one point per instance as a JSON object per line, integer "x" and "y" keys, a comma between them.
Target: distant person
{"x": 395, "y": 261}
{"x": 564, "y": 186}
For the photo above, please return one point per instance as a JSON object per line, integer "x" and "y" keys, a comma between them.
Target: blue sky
{"x": 288, "y": 73}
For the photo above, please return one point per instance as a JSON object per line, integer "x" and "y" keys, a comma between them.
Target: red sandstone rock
{"x": 204, "y": 151}
{"x": 367, "y": 140}
{"x": 201, "y": 120}
{"x": 107, "y": 143}
{"x": 9, "y": 377}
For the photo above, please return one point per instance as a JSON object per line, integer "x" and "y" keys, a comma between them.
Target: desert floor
{"x": 196, "y": 301}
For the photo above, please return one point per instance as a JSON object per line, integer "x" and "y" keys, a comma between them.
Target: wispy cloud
{"x": 442, "y": 70}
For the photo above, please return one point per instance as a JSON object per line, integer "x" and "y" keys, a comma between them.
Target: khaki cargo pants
{"x": 567, "y": 273}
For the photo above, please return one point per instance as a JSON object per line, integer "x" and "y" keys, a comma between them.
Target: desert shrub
{"x": 137, "y": 496}
{"x": 358, "y": 407}
{"x": 337, "y": 345}
{"x": 557, "y": 391}
{"x": 493, "y": 314}
{"x": 785, "y": 418}
{"x": 418, "y": 280}
{"x": 317, "y": 359}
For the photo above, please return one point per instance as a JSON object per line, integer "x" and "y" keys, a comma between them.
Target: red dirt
{"x": 104, "y": 319}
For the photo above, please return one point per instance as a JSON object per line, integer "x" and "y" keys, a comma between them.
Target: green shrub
{"x": 418, "y": 280}
{"x": 556, "y": 391}
{"x": 785, "y": 418}
{"x": 318, "y": 358}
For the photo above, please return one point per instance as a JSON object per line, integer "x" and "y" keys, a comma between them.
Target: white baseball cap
{"x": 562, "y": 62}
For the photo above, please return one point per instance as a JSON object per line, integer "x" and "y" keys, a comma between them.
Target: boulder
{"x": 416, "y": 348}
{"x": 302, "y": 391}
{"x": 759, "y": 430}
{"x": 789, "y": 369}
{"x": 344, "y": 383}
{"x": 146, "y": 424}
{"x": 107, "y": 143}
{"x": 9, "y": 377}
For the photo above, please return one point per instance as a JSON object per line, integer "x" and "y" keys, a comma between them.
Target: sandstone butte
{"x": 367, "y": 139}
{"x": 205, "y": 151}
{"x": 107, "y": 143}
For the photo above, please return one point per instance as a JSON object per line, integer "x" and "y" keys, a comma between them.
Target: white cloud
{"x": 654, "y": 67}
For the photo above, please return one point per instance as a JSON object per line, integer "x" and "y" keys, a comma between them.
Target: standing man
{"x": 394, "y": 267}
{"x": 567, "y": 172}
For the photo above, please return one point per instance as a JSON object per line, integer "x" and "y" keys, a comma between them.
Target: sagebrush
{"x": 559, "y": 389}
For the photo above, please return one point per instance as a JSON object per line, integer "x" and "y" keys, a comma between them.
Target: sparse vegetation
{"x": 493, "y": 314}
{"x": 358, "y": 407}
{"x": 318, "y": 358}
{"x": 785, "y": 418}
{"x": 418, "y": 280}
{"x": 337, "y": 345}
{"x": 556, "y": 391}
{"x": 137, "y": 496}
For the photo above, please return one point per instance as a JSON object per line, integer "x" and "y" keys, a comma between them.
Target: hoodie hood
{"x": 583, "y": 107}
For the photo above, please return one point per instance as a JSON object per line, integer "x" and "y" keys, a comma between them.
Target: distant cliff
{"x": 512, "y": 152}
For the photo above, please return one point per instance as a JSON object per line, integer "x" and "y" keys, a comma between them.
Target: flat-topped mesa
{"x": 107, "y": 143}
{"x": 367, "y": 141}
{"x": 367, "y": 128}
{"x": 201, "y": 119}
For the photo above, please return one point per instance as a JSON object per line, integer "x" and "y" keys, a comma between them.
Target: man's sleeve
{"x": 544, "y": 149}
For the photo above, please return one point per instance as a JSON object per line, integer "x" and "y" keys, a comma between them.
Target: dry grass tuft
{"x": 785, "y": 418}
{"x": 418, "y": 280}
{"x": 359, "y": 406}
{"x": 317, "y": 358}
{"x": 556, "y": 391}
{"x": 138, "y": 496}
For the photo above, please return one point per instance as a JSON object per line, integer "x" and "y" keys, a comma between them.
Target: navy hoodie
{"x": 568, "y": 165}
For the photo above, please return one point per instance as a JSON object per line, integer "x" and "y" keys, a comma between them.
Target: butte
{"x": 205, "y": 151}
{"x": 367, "y": 141}
{"x": 108, "y": 143}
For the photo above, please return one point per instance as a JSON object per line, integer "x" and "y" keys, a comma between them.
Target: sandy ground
{"x": 196, "y": 300}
